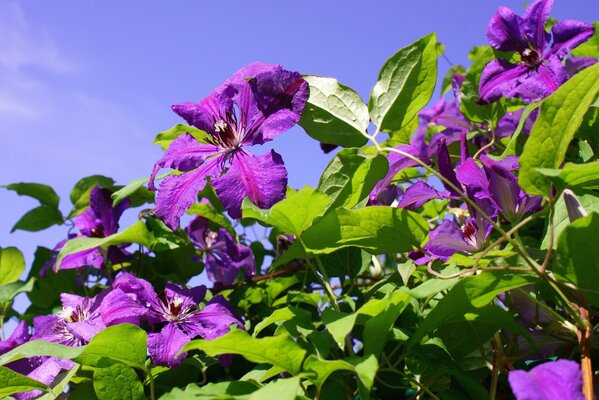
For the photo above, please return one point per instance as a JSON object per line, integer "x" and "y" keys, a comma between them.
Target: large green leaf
{"x": 574, "y": 176}
{"x": 376, "y": 229}
{"x": 43, "y": 193}
{"x": 293, "y": 214}
{"x": 281, "y": 389}
{"x": 117, "y": 381}
{"x": 12, "y": 382}
{"x": 561, "y": 115}
{"x": 350, "y": 176}
{"x": 165, "y": 138}
{"x": 334, "y": 113}
{"x": 378, "y": 327}
{"x": 577, "y": 260}
{"x": 281, "y": 351}
{"x": 470, "y": 294}
{"x": 12, "y": 265}
{"x": 136, "y": 233}
{"x": 40, "y": 348}
{"x": 212, "y": 391}
{"x": 10, "y": 290}
{"x": 124, "y": 343}
{"x": 405, "y": 85}
{"x": 38, "y": 219}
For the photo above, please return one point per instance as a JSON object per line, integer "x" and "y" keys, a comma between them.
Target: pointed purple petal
{"x": 207, "y": 111}
{"x": 120, "y": 307}
{"x": 185, "y": 153}
{"x": 418, "y": 194}
{"x": 397, "y": 162}
{"x": 92, "y": 258}
{"x": 535, "y": 18}
{"x": 505, "y": 31}
{"x": 576, "y": 64}
{"x": 568, "y": 35}
{"x": 561, "y": 379}
{"x": 164, "y": 346}
{"x": 227, "y": 258}
{"x": 539, "y": 84}
{"x": 446, "y": 240}
{"x": 178, "y": 192}
{"x": 474, "y": 179}
{"x": 214, "y": 320}
{"x": 499, "y": 78}
{"x": 46, "y": 372}
{"x": 446, "y": 168}
{"x": 262, "y": 179}
{"x": 19, "y": 336}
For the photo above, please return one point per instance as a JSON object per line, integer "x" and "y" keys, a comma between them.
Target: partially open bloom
{"x": 175, "y": 316}
{"x": 101, "y": 219}
{"x": 561, "y": 379}
{"x": 540, "y": 70}
{"x": 256, "y": 104}
{"x": 223, "y": 257}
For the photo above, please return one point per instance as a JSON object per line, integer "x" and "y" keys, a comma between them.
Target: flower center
{"x": 530, "y": 57}
{"x": 469, "y": 233}
{"x": 227, "y": 131}
{"x": 74, "y": 314}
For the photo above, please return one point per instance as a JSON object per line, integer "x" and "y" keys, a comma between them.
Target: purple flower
{"x": 223, "y": 257}
{"x": 539, "y": 71}
{"x": 561, "y": 379}
{"x": 451, "y": 237}
{"x": 78, "y": 322}
{"x": 175, "y": 317}
{"x": 101, "y": 219}
{"x": 256, "y": 104}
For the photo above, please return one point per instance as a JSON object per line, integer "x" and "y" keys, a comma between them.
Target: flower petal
{"x": 576, "y": 64}
{"x": 164, "y": 346}
{"x": 262, "y": 179}
{"x": 186, "y": 297}
{"x": 397, "y": 162}
{"x": 207, "y": 111}
{"x": 418, "y": 194}
{"x": 568, "y": 35}
{"x": 185, "y": 153}
{"x": 505, "y": 31}
{"x": 178, "y": 192}
{"x": 561, "y": 379}
{"x": 214, "y": 320}
{"x": 446, "y": 240}
{"x": 100, "y": 219}
{"x": 539, "y": 84}
{"x": 534, "y": 21}
{"x": 446, "y": 168}
{"x": 92, "y": 258}
{"x": 499, "y": 78}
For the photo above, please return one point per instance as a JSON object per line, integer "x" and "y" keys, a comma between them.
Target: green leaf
{"x": 40, "y": 348}
{"x": 212, "y": 391}
{"x": 136, "y": 186}
{"x": 12, "y": 265}
{"x": 561, "y": 115}
{"x": 283, "y": 314}
{"x": 469, "y": 99}
{"x": 280, "y": 351}
{"x": 334, "y": 113}
{"x": 469, "y": 294}
{"x": 209, "y": 212}
{"x": 405, "y": 85}
{"x": 349, "y": 261}
{"x": 10, "y": 290}
{"x": 591, "y": 47}
{"x": 12, "y": 382}
{"x": 510, "y": 149}
{"x": 82, "y": 189}
{"x": 43, "y": 193}
{"x": 62, "y": 379}
{"x": 136, "y": 233}
{"x": 281, "y": 389}
{"x": 375, "y": 229}
{"x": 38, "y": 219}
{"x": 574, "y": 176}
{"x": 350, "y": 176}
{"x": 560, "y": 218}
{"x": 165, "y": 138}
{"x": 117, "y": 382}
{"x": 293, "y": 214}
{"x": 577, "y": 261}
{"x": 320, "y": 370}
{"x": 377, "y": 328}
{"x": 124, "y": 343}
{"x": 339, "y": 325}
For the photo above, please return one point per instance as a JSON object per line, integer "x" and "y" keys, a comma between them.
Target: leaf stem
{"x": 584, "y": 341}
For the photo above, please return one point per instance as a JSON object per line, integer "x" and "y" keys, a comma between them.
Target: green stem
{"x": 151, "y": 379}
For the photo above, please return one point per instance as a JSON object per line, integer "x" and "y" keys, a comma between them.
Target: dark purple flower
{"x": 176, "y": 316}
{"x": 452, "y": 237}
{"x": 540, "y": 70}
{"x": 78, "y": 322}
{"x": 101, "y": 219}
{"x": 418, "y": 194}
{"x": 561, "y": 379}
{"x": 256, "y": 104}
{"x": 223, "y": 257}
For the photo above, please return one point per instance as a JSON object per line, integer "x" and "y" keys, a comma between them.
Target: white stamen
{"x": 220, "y": 126}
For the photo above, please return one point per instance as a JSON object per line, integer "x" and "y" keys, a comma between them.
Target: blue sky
{"x": 85, "y": 85}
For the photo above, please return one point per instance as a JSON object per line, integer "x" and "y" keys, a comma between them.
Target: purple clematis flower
{"x": 540, "y": 70}
{"x": 256, "y": 104}
{"x": 78, "y": 322}
{"x": 101, "y": 219}
{"x": 223, "y": 257}
{"x": 561, "y": 379}
{"x": 175, "y": 317}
